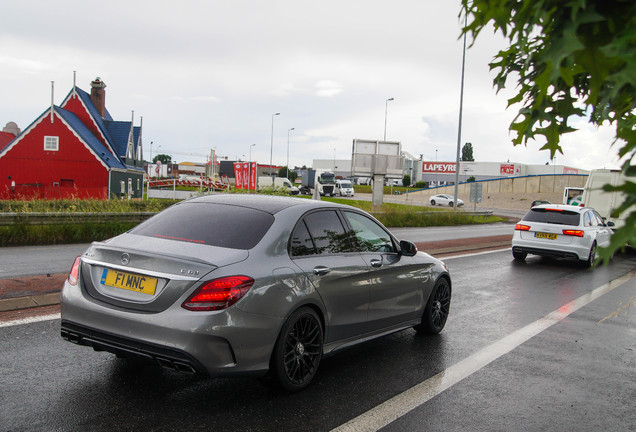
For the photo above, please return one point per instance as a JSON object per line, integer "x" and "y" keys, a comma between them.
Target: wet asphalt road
{"x": 578, "y": 374}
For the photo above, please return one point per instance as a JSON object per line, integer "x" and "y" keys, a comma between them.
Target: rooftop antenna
{"x": 52, "y": 96}
{"x": 140, "y": 149}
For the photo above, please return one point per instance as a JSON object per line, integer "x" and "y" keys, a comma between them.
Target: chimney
{"x": 98, "y": 96}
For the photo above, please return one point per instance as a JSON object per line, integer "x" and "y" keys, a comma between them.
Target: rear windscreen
{"x": 211, "y": 224}
{"x": 553, "y": 217}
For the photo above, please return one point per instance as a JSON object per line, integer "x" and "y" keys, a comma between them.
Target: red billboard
{"x": 252, "y": 175}
{"x": 244, "y": 177}
{"x": 238, "y": 175}
{"x": 506, "y": 169}
{"x": 568, "y": 170}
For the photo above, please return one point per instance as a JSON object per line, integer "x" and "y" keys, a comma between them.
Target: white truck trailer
{"x": 604, "y": 202}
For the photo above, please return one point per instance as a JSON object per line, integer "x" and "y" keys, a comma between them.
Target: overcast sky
{"x": 210, "y": 74}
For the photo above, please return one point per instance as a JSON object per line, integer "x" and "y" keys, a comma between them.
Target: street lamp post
{"x": 271, "y": 148}
{"x": 288, "y": 131}
{"x": 386, "y": 109}
{"x": 334, "y": 161}
{"x": 461, "y": 108}
{"x": 249, "y": 165}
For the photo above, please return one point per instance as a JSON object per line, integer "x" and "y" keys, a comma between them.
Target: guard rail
{"x": 58, "y": 218}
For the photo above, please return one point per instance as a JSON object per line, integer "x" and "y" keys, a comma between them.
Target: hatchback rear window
{"x": 560, "y": 217}
{"x": 220, "y": 225}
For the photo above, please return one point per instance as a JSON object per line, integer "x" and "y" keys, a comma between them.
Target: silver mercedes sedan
{"x": 228, "y": 284}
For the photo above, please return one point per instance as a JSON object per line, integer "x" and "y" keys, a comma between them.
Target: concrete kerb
{"x": 29, "y": 302}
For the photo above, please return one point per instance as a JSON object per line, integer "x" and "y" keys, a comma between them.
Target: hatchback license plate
{"x": 545, "y": 236}
{"x": 129, "y": 281}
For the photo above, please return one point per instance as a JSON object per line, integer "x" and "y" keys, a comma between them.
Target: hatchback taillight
{"x": 219, "y": 293}
{"x": 576, "y": 233}
{"x": 521, "y": 227}
{"x": 73, "y": 275}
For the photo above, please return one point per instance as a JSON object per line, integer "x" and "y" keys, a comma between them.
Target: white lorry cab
{"x": 604, "y": 202}
{"x": 279, "y": 182}
{"x": 344, "y": 188}
{"x": 573, "y": 196}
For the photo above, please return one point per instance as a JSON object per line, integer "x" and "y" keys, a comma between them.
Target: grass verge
{"x": 22, "y": 234}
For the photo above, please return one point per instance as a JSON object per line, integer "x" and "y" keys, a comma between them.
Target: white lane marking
{"x": 473, "y": 254}
{"x": 30, "y": 320}
{"x": 398, "y": 406}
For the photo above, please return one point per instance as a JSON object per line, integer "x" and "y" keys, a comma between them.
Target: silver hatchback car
{"x": 228, "y": 284}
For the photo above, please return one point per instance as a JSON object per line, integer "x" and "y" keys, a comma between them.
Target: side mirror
{"x": 407, "y": 248}
{"x": 610, "y": 224}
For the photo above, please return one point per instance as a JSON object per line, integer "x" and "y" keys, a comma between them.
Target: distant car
{"x": 226, "y": 284}
{"x": 344, "y": 188}
{"x": 539, "y": 202}
{"x": 444, "y": 199}
{"x": 561, "y": 231}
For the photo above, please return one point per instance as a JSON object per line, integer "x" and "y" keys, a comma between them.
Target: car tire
{"x": 519, "y": 256}
{"x": 298, "y": 350}
{"x": 437, "y": 309}
{"x": 450, "y": 204}
{"x": 591, "y": 258}
{"x": 432, "y": 202}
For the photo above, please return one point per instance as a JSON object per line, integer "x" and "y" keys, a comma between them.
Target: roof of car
{"x": 268, "y": 203}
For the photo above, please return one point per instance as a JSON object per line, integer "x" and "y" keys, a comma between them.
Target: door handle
{"x": 321, "y": 270}
{"x": 376, "y": 263}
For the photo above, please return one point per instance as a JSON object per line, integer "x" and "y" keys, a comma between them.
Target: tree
{"x": 467, "y": 153}
{"x": 406, "y": 180}
{"x": 164, "y": 158}
{"x": 283, "y": 173}
{"x": 570, "y": 58}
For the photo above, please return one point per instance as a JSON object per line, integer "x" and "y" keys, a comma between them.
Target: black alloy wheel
{"x": 437, "y": 309}
{"x": 432, "y": 202}
{"x": 298, "y": 350}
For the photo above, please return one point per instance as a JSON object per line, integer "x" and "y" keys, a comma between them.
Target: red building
{"x": 75, "y": 150}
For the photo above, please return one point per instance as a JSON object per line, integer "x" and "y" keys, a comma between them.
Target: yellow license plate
{"x": 545, "y": 236}
{"x": 129, "y": 281}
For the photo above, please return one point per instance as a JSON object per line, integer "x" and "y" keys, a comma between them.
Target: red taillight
{"x": 73, "y": 275}
{"x": 521, "y": 227}
{"x": 577, "y": 233}
{"x": 219, "y": 293}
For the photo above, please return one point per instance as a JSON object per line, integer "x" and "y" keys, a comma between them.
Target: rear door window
{"x": 326, "y": 235}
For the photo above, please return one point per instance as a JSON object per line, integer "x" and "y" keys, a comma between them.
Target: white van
{"x": 344, "y": 188}
{"x": 279, "y": 182}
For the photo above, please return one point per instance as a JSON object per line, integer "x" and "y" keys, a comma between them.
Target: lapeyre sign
{"x": 438, "y": 167}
